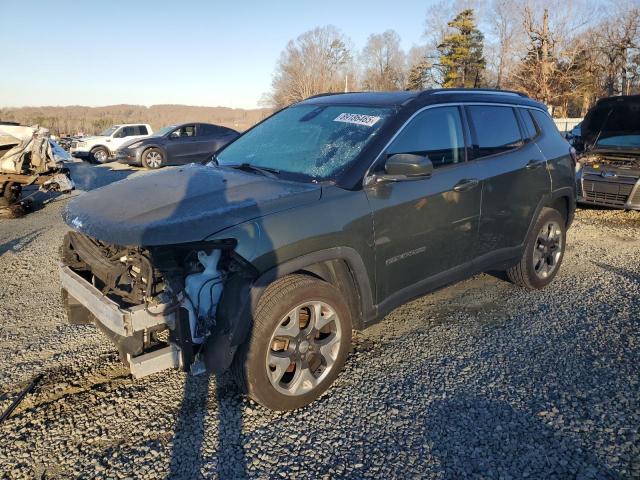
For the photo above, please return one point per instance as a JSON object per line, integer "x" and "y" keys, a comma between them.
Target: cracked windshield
{"x": 316, "y": 141}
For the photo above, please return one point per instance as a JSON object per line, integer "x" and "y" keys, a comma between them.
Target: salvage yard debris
{"x": 27, "y": 158}
{"x": 20, "y": 397}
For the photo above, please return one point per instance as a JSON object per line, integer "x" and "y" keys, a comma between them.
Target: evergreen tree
{"x": 416, "y": 78}
{"x": 461, "y": 52}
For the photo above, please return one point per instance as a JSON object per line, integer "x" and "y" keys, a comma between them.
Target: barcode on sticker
{"x": 357, "y": 119}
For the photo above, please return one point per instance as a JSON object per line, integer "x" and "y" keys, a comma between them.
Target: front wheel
{"x": 152, "y": 158}
{"x": 99, "y": 155}
{"x": 543, "y": 252}
{"x": 299, "y": 343}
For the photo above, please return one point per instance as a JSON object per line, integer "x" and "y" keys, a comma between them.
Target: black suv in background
{"x": 176, "y": 145}
{"x": 609, "y": 168}
{"x": 320, "y": 219}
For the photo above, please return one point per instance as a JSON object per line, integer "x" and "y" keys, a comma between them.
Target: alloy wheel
{"x": 303, "y": 348}
{"x": 153, "y": 159}
{"x": 100, "y": 156}
{"x": 547, "y": 250}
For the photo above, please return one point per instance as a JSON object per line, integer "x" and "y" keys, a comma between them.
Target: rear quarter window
{"x": 531, "y": 131}
{"x": 210, "y": 130}
{"x": 496, "y": 129}
{"x": 544, "y": 122}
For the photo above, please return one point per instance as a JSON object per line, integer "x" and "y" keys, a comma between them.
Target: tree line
{"x": 91, "y": 120}
{"x": 565, "y": 53}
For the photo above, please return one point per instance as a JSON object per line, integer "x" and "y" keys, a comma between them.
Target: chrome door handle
{"x": 466, "y": 184}
{"x": 534, "y": 164}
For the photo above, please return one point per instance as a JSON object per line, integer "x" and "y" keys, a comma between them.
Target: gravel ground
{"x": 481, "y": 379}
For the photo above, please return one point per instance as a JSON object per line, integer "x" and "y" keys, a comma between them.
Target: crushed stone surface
{"x": 478, "y": 380}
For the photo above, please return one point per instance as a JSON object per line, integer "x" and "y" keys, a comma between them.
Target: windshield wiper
{"x": 266, "y": 171}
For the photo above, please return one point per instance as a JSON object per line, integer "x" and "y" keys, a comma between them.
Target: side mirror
{"x": 402, "y": 167}
{"x": 408, "y": 165}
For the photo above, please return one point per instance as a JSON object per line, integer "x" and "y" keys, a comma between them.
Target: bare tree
{"x": 550, "y": 69}
{"x": 315, "y": 62}
{"x": 383, "y": 62}
{"x": 619, "y": 39}
{"x": 504, "y": 20}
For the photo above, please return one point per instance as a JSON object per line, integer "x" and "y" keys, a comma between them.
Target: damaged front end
{"x": 159, "y": 305}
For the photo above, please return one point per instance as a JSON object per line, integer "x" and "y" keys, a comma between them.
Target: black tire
{"x": 99, "y": 155}
{"x": 10, "y": 194}
{"x": 526, "y": 272}
{"x": 153, "y": 158}
{"x": 251, "y": 361}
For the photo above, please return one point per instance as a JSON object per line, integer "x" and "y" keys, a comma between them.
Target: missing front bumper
{"x": 86, "y": 304}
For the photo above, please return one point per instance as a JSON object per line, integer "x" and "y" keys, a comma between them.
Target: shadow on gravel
{"x": 188, "y": 460}
{"x": 625, "y": 273}
{"x": 477, "y": 437}
{"x": 192, "y": 456}
{"x": 20, "y": 243}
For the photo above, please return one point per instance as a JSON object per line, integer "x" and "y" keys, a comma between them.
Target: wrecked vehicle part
{"x": 158, "y": 305}
{"x": 27, "y": 158}
{"x": 23, "y": 393}
{"x": 608, "y": 171}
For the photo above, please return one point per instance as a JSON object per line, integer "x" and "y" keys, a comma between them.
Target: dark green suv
{"x": 319, "y": 220}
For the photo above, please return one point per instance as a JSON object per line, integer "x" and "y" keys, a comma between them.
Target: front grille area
{"x": 606, "y": 193}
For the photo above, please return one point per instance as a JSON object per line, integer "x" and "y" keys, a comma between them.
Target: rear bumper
{"x": 86, "y": 304}
{"x": 617, "y": 192}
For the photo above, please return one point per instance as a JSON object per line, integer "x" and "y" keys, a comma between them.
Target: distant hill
{"x": 90, "y": 120}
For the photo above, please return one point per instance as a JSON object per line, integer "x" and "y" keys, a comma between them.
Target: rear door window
{"x": 436, "y": 133}
{"x": 496, "y": 129}
{"x": 142, "y": 130}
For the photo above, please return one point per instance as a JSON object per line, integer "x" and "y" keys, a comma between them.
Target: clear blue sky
{"x": 181, "y": 51}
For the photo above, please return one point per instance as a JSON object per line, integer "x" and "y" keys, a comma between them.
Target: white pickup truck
{"x": 102, "y": 148}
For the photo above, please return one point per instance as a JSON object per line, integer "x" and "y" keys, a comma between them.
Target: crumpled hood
{"x": 181, "y": 204}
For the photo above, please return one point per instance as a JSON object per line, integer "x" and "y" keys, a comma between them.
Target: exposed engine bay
{"x": 617, "y": 161}
{"x": 170, "y": 294}
{"x": 609, "y": 179}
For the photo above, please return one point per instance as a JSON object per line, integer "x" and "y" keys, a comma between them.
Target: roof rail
{"x": 326, "y": 94}
{"x": 445, "y": 91}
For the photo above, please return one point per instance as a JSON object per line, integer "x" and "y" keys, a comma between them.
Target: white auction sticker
{"x": 357, "y": 119}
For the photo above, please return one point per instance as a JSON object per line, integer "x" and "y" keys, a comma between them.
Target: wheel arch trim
{"x": 349, "y": 255}
{"x": 220, "y": 349}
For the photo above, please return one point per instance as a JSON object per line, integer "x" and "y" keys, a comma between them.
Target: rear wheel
{"x": 152, "y": 158}
{"x": 99, "y": 155}
{"x": 300, "y": 341}
{"x": 543, "y": 252}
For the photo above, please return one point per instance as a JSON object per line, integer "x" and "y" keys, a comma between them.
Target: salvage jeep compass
{"x": 319, "y": 220}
